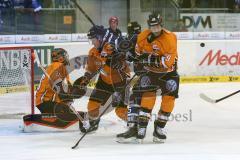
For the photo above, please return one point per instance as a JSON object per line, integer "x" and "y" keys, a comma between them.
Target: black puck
{"x": 202, "y": 44}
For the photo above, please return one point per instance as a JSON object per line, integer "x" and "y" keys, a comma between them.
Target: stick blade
{"x": 206, "y": 98}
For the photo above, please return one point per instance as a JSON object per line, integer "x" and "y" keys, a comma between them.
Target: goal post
{"x": 17, "y": 75}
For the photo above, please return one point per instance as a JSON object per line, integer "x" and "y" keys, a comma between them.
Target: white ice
{"x": 207, "y": 131}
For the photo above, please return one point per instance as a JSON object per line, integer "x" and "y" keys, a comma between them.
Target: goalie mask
{"x": 60, "y": 55}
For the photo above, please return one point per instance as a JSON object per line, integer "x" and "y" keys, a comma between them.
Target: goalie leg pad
{"x": 56, "y": 120}
{"x": 61, "y": 110}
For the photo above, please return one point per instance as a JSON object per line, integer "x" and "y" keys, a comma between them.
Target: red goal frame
{"x": 31, "y": 71}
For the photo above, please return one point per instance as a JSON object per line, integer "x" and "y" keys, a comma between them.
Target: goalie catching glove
{"x": 66, "y": 91}
{"x": 62, "y": 88}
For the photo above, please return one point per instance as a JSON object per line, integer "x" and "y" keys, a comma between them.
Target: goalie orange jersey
{"x": 56, "y": 71}
{"x": 165, "y": 45}
{"x": 95, "y": 61}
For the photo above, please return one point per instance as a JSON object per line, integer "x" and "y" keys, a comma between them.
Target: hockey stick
{"x": 104, "y": 111}
{"x": 83, "y": 12}
{"x": 210, "y": 100}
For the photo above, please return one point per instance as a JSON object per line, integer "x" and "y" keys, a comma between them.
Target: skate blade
{"x": 89, "y": 133}
{"x": 157, "y": 140}
{"x": 132, "y": 140}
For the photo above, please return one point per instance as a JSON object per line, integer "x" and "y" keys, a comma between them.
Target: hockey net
{"x": 16, "y": 81}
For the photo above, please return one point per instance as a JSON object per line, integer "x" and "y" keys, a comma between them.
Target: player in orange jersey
{"x": 47, "y": 95}
{"x": 54, "y": 93}
{"x": 157, "y": 54}
{"x": 113, "y": 72}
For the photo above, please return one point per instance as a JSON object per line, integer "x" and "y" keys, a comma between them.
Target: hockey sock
{"x": 162, "y": 119}
{"x": 133, "y": 112}
{"x": 143, "y": 119}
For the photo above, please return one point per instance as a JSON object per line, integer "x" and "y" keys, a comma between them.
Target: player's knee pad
{"x": 148, "y": 100}
{"x": 167, "y": 104}
{"x": 93, "y": 108}
{"x": 46, "y": 107}
{"x": 121, "y": 112}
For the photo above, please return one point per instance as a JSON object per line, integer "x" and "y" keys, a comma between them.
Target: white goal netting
{"x": 16, "y": 74}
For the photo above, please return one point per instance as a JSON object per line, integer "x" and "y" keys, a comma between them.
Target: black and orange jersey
{"x": 165, "y": 46}
{"x": 56, "y": 71}
{"x": 97, "y": 60}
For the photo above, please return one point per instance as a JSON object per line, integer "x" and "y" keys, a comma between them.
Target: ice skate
{"x": 91, "y": 127}
{"x": 129, "y": 136}
{"x": 159, "y": 135}
{"x": 141, "y": 134}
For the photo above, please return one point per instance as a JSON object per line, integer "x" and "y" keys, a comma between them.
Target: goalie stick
{"x": 210, "y": 100}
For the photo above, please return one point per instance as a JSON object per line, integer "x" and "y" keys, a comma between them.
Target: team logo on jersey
{"x": 145, "y": 81}
{"x": 103, "y": 54}
{"x": 171, "y": 85}
{"x": 155, "y": 48}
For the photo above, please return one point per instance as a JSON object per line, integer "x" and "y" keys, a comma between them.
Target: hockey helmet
{"x": 154, "y": 19}
{"x": 96, "y": 32}
{"x": 60, "y": 55}
{"x": 133, "y": 28}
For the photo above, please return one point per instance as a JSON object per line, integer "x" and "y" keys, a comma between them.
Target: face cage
{"x": 156, "y": 29}
{"x": 66, "y": 59}
{"x": 62, "y": 59}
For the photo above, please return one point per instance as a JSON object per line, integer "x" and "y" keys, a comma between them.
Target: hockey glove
{"x": 138, "y": 68}
{"x": 152, "y": 60}
{"x": 115, "y": 61}
{"x": 80, "y": 86}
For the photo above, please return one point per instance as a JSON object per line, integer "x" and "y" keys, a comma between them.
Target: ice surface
{"x": 200, "y": 130}
{"x": 13, "y": 103}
